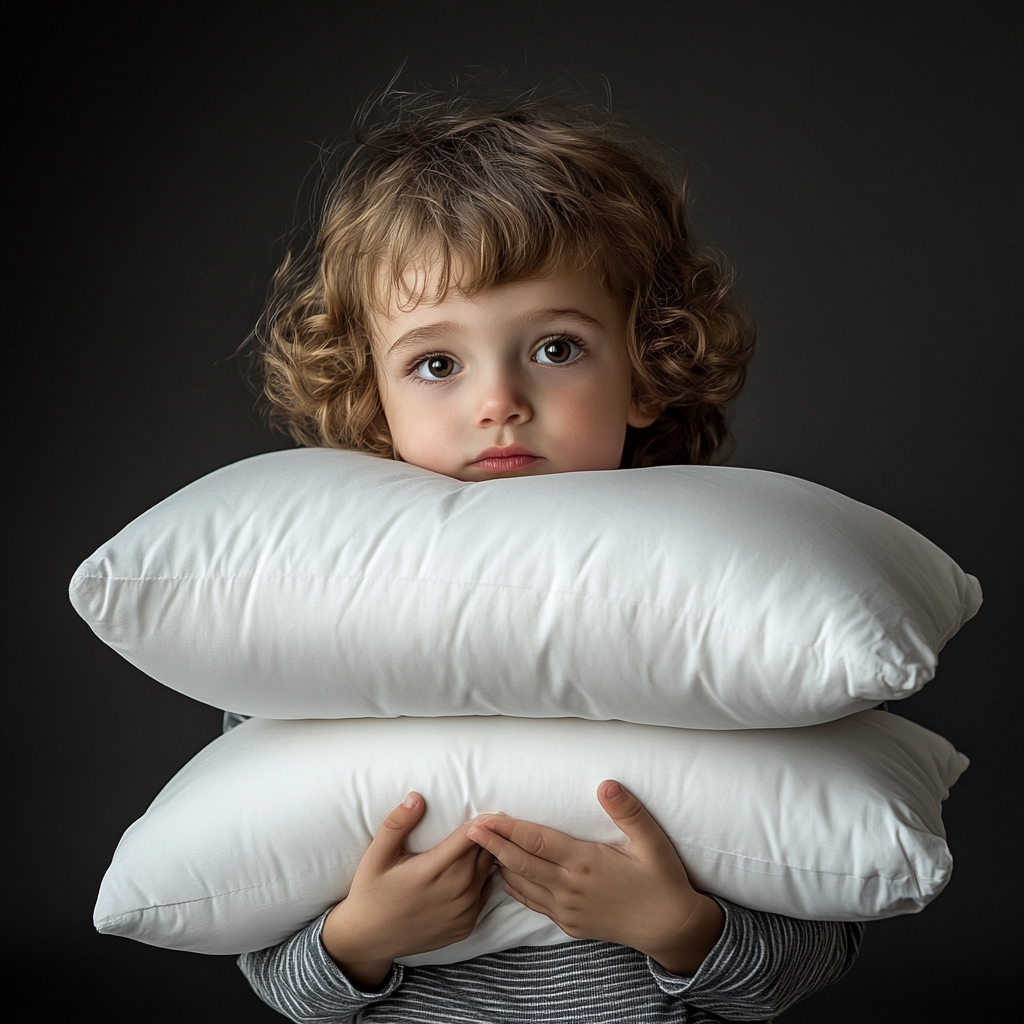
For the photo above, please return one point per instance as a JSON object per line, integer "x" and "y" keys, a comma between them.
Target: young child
{"x": 499, "y": 293}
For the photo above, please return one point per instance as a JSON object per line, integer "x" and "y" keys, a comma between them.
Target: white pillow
{"x": 327, "y": 584}
{"x": 263, "y": 829}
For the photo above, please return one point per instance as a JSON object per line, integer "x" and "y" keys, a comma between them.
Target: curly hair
{"x": 491, "y": 194}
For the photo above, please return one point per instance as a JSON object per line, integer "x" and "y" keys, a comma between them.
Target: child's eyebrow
{"x": 575, "y": 315}
{"x": 427, "y": 332}
{"x": 446, "y": 328}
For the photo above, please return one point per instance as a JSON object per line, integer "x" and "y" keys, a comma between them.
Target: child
{"x": 498, "y": 293}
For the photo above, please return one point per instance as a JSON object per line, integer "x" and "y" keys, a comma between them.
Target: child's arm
{"x": 637, "y": 894}
{"x": 764, "y": 963}
{"x": 402, "y": 903}
{"x": 740, "y": 964}
{"x": 399, "y": 904}
{"x": 761, "y": 964}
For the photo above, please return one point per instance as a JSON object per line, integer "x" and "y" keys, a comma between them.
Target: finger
{"x": 386, "y": 847}
{"x": 509, "y": 855}
{"x": 547, "y": 843}
{"x": 485, "y": 894}
{"x": 454, "y": 846}
{"x": 529, "y": 903}
{"x": 484, "y": 863}
{"x": 538, "y": 895}
{"x": 629, "y": 815}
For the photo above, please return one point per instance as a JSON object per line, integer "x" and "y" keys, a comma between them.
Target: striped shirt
{"x": 762, "y": 964}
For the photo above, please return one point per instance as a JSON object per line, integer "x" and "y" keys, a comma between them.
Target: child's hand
{"x": 402, "y": 903}
{"x": 636, "y": 895}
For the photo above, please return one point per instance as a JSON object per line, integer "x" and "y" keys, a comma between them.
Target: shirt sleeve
{"x": 298, "y": 979}
{"x": 764, "y": 963}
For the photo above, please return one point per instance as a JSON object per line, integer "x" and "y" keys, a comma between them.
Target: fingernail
{"x": 613, "y": 791}
{"x": 409, "y": 801}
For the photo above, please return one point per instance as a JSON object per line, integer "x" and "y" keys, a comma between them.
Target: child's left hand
{"x": 637, "y": 894}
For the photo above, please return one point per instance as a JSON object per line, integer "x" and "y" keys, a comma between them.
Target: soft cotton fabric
{"x": 264, "y": 828}
{"x": 328, "y": 584}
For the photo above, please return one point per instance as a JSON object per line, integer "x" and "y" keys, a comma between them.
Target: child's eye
{"x": 436, "y": 367}
{"x": 558, "y": 352}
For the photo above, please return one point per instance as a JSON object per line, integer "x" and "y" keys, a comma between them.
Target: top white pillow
{"x": 325, "y": 584}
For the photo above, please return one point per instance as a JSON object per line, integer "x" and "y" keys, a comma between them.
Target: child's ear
{"x": 643, "y": 414}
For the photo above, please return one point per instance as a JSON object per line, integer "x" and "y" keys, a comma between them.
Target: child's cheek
{"x": 592, "y": 427}
{"x": 424, "y": 428}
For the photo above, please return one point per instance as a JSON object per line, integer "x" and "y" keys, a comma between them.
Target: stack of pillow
{"x": 713, "y": 638}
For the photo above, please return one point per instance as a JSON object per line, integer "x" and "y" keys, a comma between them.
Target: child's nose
{"x": 503, "y": 401}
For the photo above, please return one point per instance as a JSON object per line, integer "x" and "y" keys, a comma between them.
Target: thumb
{"x": 629, "y": 815}
{"x": 387, "y": 843}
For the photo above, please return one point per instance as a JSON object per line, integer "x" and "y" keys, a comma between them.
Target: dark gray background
{"x": 860, "y": 164}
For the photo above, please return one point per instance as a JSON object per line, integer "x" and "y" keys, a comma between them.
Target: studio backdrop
{"x": 859, "y": 165}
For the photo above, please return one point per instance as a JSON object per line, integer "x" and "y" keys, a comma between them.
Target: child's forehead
{"x": 431, "y": 281}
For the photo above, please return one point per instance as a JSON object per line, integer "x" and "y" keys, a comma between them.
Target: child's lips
{"x": 505, "y": 459}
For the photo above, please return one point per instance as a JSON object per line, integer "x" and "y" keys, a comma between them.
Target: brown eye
{"x": 437, "y": 368}
{"x": 558, "y": 352}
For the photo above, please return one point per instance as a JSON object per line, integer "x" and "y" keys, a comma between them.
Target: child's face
{"x": 517, "y": 380}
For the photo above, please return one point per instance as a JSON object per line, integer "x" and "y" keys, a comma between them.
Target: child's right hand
{"x": 402, "y": 903}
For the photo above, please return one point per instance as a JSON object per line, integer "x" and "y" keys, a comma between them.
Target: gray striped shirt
{"x": 762, "y": 964}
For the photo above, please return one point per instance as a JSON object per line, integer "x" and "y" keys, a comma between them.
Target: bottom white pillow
{"x": 260, "y": 832}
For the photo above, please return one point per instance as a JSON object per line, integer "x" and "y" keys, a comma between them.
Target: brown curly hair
{"x": 493, "y": 194}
